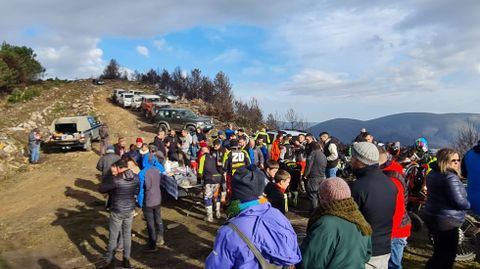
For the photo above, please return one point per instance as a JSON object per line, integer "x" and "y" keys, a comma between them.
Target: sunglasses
{"x": 455, "y": 161}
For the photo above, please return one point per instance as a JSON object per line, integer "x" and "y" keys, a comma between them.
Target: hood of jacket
{"x": 477, "y": 148}
{"x": 146, "y": 162}
{"x": 393, "y": 166}
{"x": 127, "y": 175}
{"x": 271, "y": 231}
{"x": 365, "y": 170}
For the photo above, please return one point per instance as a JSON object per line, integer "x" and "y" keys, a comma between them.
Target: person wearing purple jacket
{"x": 255, "y": 233}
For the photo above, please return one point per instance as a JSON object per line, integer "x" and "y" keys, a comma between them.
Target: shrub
{"x": 21, "y": 96}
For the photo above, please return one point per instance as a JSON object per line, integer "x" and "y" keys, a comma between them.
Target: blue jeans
{"x": 398, "y": 245}
{"x": 331, "y": 172}
{"x": 35, "y": 152}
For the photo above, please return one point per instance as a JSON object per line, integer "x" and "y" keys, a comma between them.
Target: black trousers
{"x": 311, "y": 187}
{"x": 154, "y": 224}
{"x": 445, "y": 244}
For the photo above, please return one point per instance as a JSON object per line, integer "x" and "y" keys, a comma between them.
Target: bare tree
{"x": 291, "y": 117}
{"x": 224, "y": 96}
{"x": 295, "y": 120}
{"x": 467, "y": 137}
{"x": 273, "y": 121}
{"x": 301, "y": 124}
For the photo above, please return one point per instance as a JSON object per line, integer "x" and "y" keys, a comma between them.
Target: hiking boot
{"x": 160, "y": 241}
{"x": 108, "y": 265}
{"x": 209, "y": 217}
{"x": 150, "y": 249}
{"x": 126, "y": 264}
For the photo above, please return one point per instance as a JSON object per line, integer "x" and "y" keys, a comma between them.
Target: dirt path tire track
{"x": 54, "y": 217}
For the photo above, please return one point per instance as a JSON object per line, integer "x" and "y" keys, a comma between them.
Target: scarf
{"x": 345, "y": 209}
{"x": 236, "y": 206}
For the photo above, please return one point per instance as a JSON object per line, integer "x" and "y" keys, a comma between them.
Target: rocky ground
{"x": 52, "y": 215}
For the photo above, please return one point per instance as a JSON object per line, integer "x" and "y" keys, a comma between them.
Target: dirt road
{"x": 53, "y": 216}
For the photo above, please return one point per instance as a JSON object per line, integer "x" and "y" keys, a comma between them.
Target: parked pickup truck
{"x": 116, "y": 93}
{"x": 136, "y": 92}
{"x": 147, "y": 104}
{"x": 74, "y": 132}
{"x": 181, "y": 118}
{"x": 167, "y": 96}
{"x": 125, "y": 99}
{"x": 137, "y": 99}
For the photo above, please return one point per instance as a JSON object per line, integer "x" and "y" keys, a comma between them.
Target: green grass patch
{"x": 18, "y": 96}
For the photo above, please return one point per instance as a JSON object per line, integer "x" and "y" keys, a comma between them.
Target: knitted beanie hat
{"x": 365, "y": 152}
{"x": 333, "y": 189}
{"x": 248, "y": 183}
{"x": 110, "y": 149}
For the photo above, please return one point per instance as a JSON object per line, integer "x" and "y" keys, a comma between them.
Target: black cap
{"x": 234, "y": 143}
{"x": 248, "y": 183}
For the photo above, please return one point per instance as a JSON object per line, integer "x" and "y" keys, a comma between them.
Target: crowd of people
{"x": 250, "y": 181}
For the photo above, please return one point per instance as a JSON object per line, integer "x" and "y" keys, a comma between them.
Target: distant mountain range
{"x": 288, "y": 125}
{"x": 439, "y": 129}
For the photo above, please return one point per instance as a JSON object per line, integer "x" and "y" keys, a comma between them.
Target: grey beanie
{"x": 365, "y": 152}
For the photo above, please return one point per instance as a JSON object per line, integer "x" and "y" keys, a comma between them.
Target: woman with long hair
{"x": 445, "y": 209}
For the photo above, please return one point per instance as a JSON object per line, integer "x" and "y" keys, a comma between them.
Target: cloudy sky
{"x": 326, "y": 59}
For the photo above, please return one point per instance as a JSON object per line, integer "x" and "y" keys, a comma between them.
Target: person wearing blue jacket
{"x": 150, "y": 199}
{"x": 444, "y": 211}
{"x": 149, "y": 160}
{"x": 471, "y": 171}
{"x": 252, "y": 219}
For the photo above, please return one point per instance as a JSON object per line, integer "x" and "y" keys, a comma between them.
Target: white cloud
{"x": 325, "y": 48}
{"x": 160, "y": 44}
{"x": 229, "y": 56}
{"x": 142, "y": 50}
{"x": 69, "y": 57}
{"x": 477, "y": 67}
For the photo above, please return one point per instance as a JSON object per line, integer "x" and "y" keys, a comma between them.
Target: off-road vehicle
{"x": 147, "y": 104}
{"x": 167, "y": 96}
{"x": 74, "y": 132}
{"x": 181, "y": 118}
{"x": 125, "y": 99}
{"x": 116, "y": 93}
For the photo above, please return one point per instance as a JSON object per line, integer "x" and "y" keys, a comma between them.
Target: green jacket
{"x": 333, "y": 242}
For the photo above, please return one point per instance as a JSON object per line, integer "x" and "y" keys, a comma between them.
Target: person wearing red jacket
{"x": 401, "y": 221}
